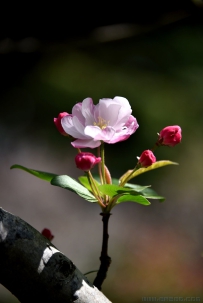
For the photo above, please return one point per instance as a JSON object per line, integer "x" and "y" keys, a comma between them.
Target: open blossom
{"x": 170, "y": 135}
{"x": 57, "y": 122}
{"x": 147, "y": 158}
{"x": 109, "y": 121}
{"x": 86, "y": 161}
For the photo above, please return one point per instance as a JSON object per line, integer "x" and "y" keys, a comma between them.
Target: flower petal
{"x": 92, "y": 131}
{"x": 73, "y": 127}
{"x": 128, "y": 129}
{"x": 109, "y": 121}
{"x": 77, "y": 111}
{"x": 106, "y": 135}
{"x": 88, "y": 111}
{"x": 85, "y": 143}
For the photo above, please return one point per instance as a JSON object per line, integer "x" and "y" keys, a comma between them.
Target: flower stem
{"x": 103, "y": 163}
{"x": 99, "y": 166}
{"x": 95, "y": 189}
{"x": 129, "y": 176}
{"x": 104, "y": 258}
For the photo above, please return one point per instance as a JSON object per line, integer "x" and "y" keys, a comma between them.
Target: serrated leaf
{"x": 142, "y": 170}
{"x": 69, "y": 183}
{"x": 37, "y": 173}
{"x": 133, "y": 198}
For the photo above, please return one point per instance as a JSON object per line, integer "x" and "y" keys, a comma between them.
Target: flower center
{"x": 101, "y": 123}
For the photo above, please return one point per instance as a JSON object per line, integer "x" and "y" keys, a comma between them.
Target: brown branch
{"x": 35, "y": 271}
{"x": 104, "y": 258}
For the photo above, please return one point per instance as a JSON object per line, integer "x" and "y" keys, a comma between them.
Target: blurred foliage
{"x": 160, "y": 72}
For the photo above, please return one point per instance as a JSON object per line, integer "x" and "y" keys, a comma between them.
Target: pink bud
{"x": 57, "y": 122}
{"x": 147, "y": 158}
{"x": 47, "y": 233}
{"x": 170, "y": 135}
{"x": 86, "y": 161}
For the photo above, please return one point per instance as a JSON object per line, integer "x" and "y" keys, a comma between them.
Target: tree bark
{"x": 34, "y": 270}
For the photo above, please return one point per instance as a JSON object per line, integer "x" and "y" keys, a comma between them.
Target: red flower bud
{"x": 57, "y": 122}
{"x": 86, "y": 161}
{"x": 170, "y": 135}
{"x": 147, "y": 158}
{"x": 47, "y": 233}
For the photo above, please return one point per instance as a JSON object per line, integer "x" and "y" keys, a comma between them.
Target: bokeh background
{"x": 149, "y": 53}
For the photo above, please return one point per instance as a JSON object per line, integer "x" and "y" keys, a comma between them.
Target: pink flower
{"x": 86, "y": 161}
{"x": 47, "y": 233}
{"x": 109, "y": 121}
{"x": 170, "y": 135}
{"x": 57, "y": 122}
{"x": 147, "y": 158}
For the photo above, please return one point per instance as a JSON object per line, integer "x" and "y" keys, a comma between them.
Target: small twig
{"x": 90, "y": 272}
{"x": 104, "y": 258}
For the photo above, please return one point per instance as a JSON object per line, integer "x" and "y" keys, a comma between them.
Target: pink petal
{"x": 85, "y": 143}
{"x": 88, "y": 111}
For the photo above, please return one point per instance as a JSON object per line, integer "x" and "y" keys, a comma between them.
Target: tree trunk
{"x": 34, "y": 270}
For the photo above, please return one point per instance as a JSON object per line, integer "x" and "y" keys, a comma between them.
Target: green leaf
{"x": 112, "y": 190}
{"x": 149, "y": 193}
{"x": 133, "y": 198}
{"x": 72, "y": 185}
{"x": 97, "y": 178}
{"x": 142, "y": 170}
{"x": 37, "y": 173}
{"x": 84, "y": 181}
{"x": 115, "y": 181}
{"x": 137, "y": 187}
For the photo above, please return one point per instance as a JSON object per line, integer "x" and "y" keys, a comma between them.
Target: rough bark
{"x": 34, "y": 270}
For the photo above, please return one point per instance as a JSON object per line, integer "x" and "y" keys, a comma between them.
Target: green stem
{"x": 103, "y": 170}
{"x": 128, "y": 177}
{"x": 99, "y": 166}
{"x": 103, "y": 163}
{"x": 95, "y": 189}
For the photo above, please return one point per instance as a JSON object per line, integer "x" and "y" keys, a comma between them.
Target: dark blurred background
{"x": 149, "y": 52}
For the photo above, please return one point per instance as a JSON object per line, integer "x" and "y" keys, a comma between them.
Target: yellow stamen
{"x": 101, "y": 123}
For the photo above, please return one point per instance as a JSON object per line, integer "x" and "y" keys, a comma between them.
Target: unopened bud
{"x": 86, "y": 161}
{"x": 147, "y": 158}
{"x": 170, "y": 135}
{"x": 47, "y": 233}
{"x": 57, "y": 122}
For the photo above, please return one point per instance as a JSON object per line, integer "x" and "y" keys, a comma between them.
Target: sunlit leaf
{"x": 72, "y": 185}
{"x": 112, "y": 190}
{"x": 37, "y": 173}
{"x": 142, "y": 170}
{"x": 133, "y": 198}
{"x": 149, "y": 193}
{"x": 84, "y": 181}
{"x": 137, "y": 187}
